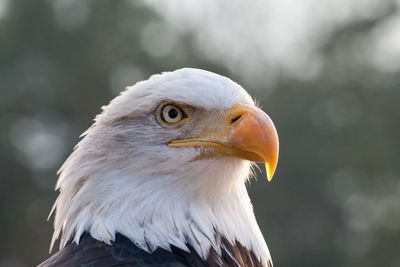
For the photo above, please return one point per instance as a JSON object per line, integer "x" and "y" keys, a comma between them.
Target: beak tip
{"x": 269, "y": 171}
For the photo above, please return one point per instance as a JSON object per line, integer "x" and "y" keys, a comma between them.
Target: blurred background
{"x": 327, "y": 72}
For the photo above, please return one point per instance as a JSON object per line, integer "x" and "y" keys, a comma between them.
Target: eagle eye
{"x": 171, "y": 114}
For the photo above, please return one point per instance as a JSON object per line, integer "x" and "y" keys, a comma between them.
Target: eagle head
{"x": 166, "y": 163}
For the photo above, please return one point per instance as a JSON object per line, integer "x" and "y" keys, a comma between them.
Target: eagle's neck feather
{"x": 196, "y": 209}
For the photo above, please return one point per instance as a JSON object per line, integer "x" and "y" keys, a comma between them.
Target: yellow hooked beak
{"x": 248, "y": 133}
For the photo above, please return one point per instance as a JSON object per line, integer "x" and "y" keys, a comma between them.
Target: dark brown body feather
{"x": 92, "y": 253}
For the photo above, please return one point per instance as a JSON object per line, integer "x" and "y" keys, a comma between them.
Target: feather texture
{"x": 122, "y": 178}
{"x": 122, "y": 252}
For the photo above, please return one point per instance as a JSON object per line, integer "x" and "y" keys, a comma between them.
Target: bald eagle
{"x": 159, "y": 178}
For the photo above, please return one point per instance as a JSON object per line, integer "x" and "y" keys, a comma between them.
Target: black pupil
{"x": 173, "y": 113}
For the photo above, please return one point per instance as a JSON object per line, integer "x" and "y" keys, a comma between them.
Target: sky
{"x": 263, "y": 39}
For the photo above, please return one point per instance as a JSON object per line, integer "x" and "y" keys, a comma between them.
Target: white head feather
{"x": 123, "y": 178}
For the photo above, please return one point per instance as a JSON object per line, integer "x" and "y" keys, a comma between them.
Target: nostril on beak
{"x": 235, "y": 119}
